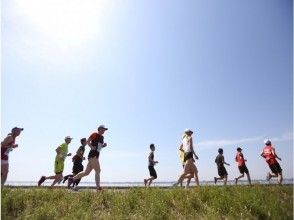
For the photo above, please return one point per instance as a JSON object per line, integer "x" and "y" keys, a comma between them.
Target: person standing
{"x": 151, "y": 164}
{"x": 190, "y": 167}
{"x": 77, "y": 163}
{"x": 96, "y": 143}
{"x": 222, "y": 172}
{"x": 7, "y": 145}
{"x": 241, "y": 166}
{"x": 270, "y": 155}
{"x": 61, "y": 154}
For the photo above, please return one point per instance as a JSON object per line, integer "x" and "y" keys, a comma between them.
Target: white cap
{"x": 102, "y": 127}
{"x": 188, "y": 131}
{"x": 267, "y": 142}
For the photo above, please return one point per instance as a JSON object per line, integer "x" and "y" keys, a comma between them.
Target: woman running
{"x": 7, "y": 145}
{"x": 96, "y": 143}
{"x": 190, "y": 167}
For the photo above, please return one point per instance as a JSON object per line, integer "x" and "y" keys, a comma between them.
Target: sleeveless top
{"x": 187, "y": 144}
{"x": 6, "y": 149}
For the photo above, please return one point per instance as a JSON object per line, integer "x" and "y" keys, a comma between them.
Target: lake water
{"x": 141, "y": 184}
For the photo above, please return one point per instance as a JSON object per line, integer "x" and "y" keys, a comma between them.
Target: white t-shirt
{"x": 187, "y": 144}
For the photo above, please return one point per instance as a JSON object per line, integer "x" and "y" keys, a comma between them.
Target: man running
{"x": 96, "y": 143}
{"x": 62, "y": 153}
{"x": 270, "y": 156}
{"x": 241, "y": 166}
{"x": 77, "y": 163}
{"x": 222, "y": 172}
{"x": 151, "y": 163}
{"x": 7, "y": 145}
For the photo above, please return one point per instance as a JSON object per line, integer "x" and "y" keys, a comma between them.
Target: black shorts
{"x": 222, "y": 171}
{"x": 188, "y": 156}
{"x": 275, "y": 168}
{"x": 152, "y": 171}
{"x": 93, "y": 153}
{"x": 77, "y": 167}
{"x": 243, "y": 169}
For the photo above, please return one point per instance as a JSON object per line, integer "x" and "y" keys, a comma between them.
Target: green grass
{"x": 205, "y": 202}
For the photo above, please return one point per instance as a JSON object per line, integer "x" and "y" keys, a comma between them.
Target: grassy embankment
{"x": 205, "y": 202}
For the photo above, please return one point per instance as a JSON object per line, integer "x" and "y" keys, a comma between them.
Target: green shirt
{"x": 63, "y": 149}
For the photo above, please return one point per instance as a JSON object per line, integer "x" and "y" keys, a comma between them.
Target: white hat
{"x": 267, "y": 142}
{"x": 188, "y": 131}
{"x": 102, "y": 127}
{"x": 68, "y": 137}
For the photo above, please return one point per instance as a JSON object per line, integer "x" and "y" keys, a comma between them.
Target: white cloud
{"x": 226, "y": 142}
{"x": 285, "y": 137}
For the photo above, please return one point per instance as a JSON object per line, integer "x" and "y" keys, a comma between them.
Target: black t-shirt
{"x": 95, "y": 139}
{"x": 220, "y": 160}
{"x": 77, "y": 158}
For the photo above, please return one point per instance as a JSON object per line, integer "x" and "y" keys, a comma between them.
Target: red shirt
{"x": 240, "y": 159}
{"x": 268, "y": 155}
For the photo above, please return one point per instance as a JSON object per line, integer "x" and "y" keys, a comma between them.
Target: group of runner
{"x": 188, "y": 157}
{"x": 96, "y": 143}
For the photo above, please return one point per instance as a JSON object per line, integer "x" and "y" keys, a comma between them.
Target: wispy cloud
{"x": 285, "y": 137}
{"x": 227, "y": 142}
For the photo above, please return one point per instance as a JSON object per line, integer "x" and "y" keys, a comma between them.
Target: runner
{"x": 7, "y": 145}
{"x": 241, "y": 166}
{"x": 151, "y": 163}
{"x": 188, "y": 177}
{"x": 96, "y": 143}
{"x": 62, "y": 153}
{"x": 190, "y": 167}
{"x": 222, "y": 172}
{"x": 77, "y": 163}
{"x": 270, "y": 156}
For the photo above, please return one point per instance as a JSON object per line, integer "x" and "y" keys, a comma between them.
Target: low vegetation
{"x": 205, "y": 202}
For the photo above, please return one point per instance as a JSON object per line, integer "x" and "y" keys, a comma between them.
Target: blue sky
{"x": 147, "y": 70}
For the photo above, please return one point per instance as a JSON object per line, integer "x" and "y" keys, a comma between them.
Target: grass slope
{"x": 205, "y": 202}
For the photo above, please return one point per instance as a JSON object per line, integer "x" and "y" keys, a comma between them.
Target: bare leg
{"x": 225, "y": 180}
{"x": 150, "y": 180}
{"x": 249, "y": 179}
{"x": 96, "y": 166}
{"x": 196, "y": 175}
{"x": 239, "y": 177}
{"x": 280, "y": 178}
{"x": 57, "y": 178}
{"x": 84, "y": 173}
{"x": 4, "y": 173}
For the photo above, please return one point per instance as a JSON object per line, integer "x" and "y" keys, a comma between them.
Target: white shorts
{"x": 4, "y": 162}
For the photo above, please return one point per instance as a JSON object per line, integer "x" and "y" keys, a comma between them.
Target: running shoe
{"x": 42, "y": 179}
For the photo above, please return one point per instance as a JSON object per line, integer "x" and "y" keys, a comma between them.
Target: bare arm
{"x": 225, "y": 162}
{"x": 275, "y": 154}
{"x": 192, "y": 148}
{"x": 6, "y": 142}
{"x": 89, "y": 144}
{"x": 181, "y": 147}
